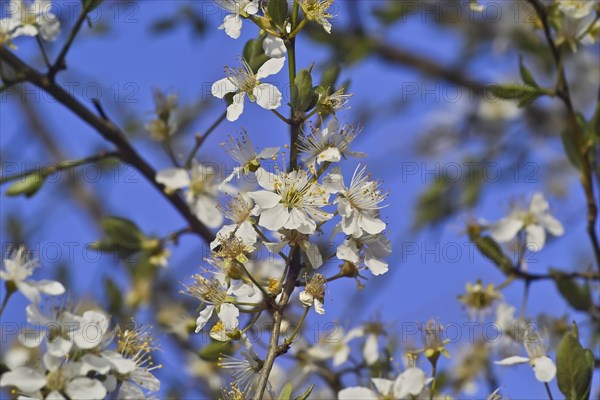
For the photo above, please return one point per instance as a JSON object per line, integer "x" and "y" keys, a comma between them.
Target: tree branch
{"x": 109, "y": 132}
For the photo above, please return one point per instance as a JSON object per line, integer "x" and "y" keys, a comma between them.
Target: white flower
{"x": 244, "y": 371}
{"x": 577, "y": 8}
{"x": 543, "y": 366}
{"x": 316, "y": 10}
{"x": 218, "y": 295}
{"x": 8, "y": 30}
{"x": 232, "y": 23}
{"x": 314, "y": 293}
{"x": 243, "y": 81}
{"x": 242, "y": 151}
{"x": 294, "y": 238}
{"x": 359, "y": 204}
{"x": 93, "y": 331}
{"x": 65, "y": 378}
{"x": 58, "y": 331}
{"x": 274, "y": 47}
{"x": 203, "y": 187}
{"x": 335, "y": 346}
{"x": 408, "y": 384}
{"x": 19, "y": 267}
{"x": 35, "y": 19}
{"x": 291, "y": 200}
{"x": 370, "y": 250}
{"x": 329, "y": 144}
{"x": 535, "y": 221}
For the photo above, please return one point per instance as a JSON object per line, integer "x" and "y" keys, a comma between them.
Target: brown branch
{"x": 109, "y": 132}
{"x": 563, "y": 92}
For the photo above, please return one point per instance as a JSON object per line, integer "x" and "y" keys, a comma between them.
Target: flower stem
{"x": 548, "y": 391}
{"x": 433, "y": 376}
{"x": 281, "y": 117}
{"x": 200, "y": 139}
{"x": 288, "y": 341}
{"x": 10, "y": 289}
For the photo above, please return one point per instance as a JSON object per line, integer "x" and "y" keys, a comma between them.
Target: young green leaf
{"x": 27, "y": 186}
{"x": 278, "y": 10}
{"x": 305, "y": 395}
{"x": 286, "y": 392}
{"x": 578, "y": 297}
{"x": 526, "y": 75}
{"x": 574, "y": 371}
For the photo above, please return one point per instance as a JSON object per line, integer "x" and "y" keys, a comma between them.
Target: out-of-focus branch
{"x": 110, "y": 132}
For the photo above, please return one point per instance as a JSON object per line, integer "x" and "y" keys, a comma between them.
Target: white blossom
{"x": 408, "y": 384}
{"x": 335, "y": 346}
{"x": 535, "y": 221}
{"x": 370, "y": 250}
{"x": 577, "y": 8}
{"x": 317, "y": 10}
{"x": 31, "y": 20}
{"x": 203, "y": 188}
{"x": 294, "y": 238}
{"x": 242, "y": 151}
{"x": 542, "y": 365}
{"x": 18, "y": 267}
{"x": 244, "y": 371}
{"x": 328, "y": 144}
{"x": 232, "y": 23}
{"x": 359, "y": 204}
{"x": 244, "y": 82}
{"x": 291, "y": 200}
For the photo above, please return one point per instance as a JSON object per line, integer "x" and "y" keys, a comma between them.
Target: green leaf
{"x": 254, "y": 53}
{"x": 523, "y": 94}
{"x": 278, "y": 11}
{"x": 492, "y": 251}
{"x": 330, "y": 77}
{"x": 574, "y": 370}
{"x": 305, "y": 395}
{"x": 121, "y": 235}
{"x": 27, "y": 186}
{"x": 578, "y": 297}
{"x": 286, "y": 392}
{"x": 214, "y": 350}
{"x": 304, "y": 96}
{"x": 91, "y": 5}
{"x": 526, "y": 75}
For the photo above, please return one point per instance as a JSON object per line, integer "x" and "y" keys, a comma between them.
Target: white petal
{"x": 274, "y": 218}
{"x": 265, "y": 199}
{"x": 334, "y": 182}
{"x": 331, "y": 154}
{"x": 551, "y": 224}
{"x": 16, "y": 357}
{"x": 383, "y": 386}
{"x": 376, "y": 266}
{"x": 223, "y": 86}
{"x": 268, "y": 152}
{"x": 506, "y": 229}
{"x": 271, "y": 67}
{"x": 173, "y": 178}
{"x": 357, "y": 393}
{"x": 51, "y": 288}
{"x": 319, "y": 307}
{"x": 49, "y": 27}
{"x": 371, "y": 225}
{"x": 265, "y": 179}
{"x": 348, "y": 251}
{"x": 538, "y": 204}
{"x": 85, "y": 389}
{"x": 274, "y": 47}
{"x": 119, "y": 363}
{"x": 314, "y": 256}
{"x": 54, "y": 395}
{"x": 204, "y": 317}
{"x": 371, "y": 349}
{"x": 267, "y": 96}
{"x": 59, "y": 347}
{"x": 544, "y": 369}
{"x": 29, "y": 290}
{"x": 341, "y": 356}
{"x": 130, "y": 391}
{"x": 91, "y": 362}
{"x": 23, "y": 378}
{"x": 31, "y": 338}
{"x": 535, "y": 237}
{"x": 145, "y": 379}
{"x": 236, "y": 108}
{"x": 410, "y": 382}
{"x": 205, "y": 208}
{"x": 306, "y": 298}
{"x": 232, "y": 24}
{"x": 512, "y": 361}
{"x": 229, "y": 314}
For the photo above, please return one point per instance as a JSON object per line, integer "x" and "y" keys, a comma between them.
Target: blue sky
{"x": 128, "y": 63}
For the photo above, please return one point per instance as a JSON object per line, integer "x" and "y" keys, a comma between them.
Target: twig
{"x": 200, "y": 139}
{"x": 60, "y": 63}
{"x": 109, "y": 132}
